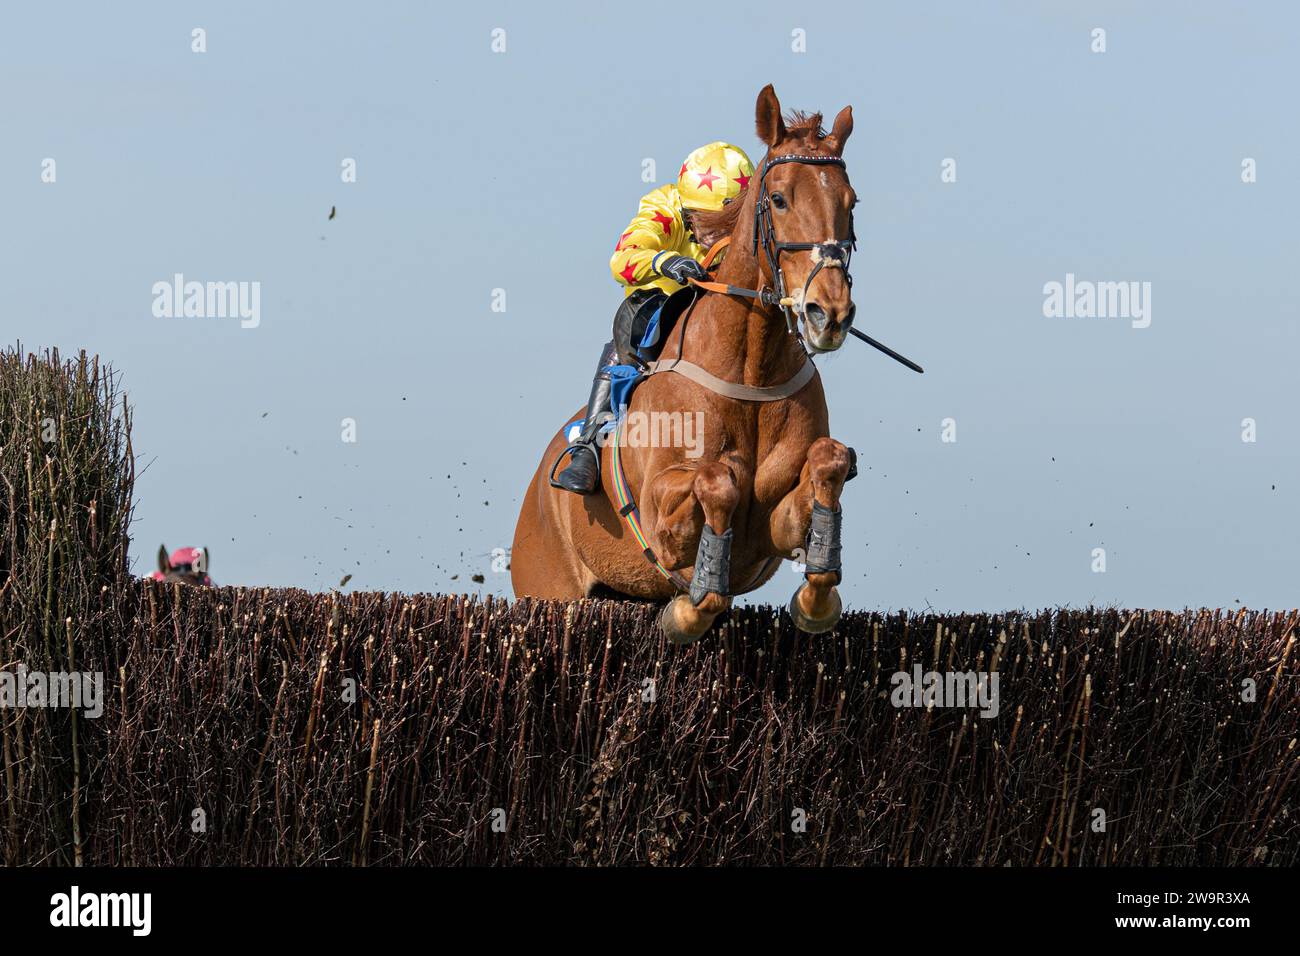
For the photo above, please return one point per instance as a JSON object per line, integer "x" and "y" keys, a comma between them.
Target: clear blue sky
{"x": 479, "y": 171}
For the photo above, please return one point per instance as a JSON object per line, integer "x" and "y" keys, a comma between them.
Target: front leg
{"x": 693, "y": 507}
{"x": 808, "y": 519}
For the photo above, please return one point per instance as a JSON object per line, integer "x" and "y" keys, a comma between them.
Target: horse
{"x": 184, "y": 566}
{"x": 766, "y": 483}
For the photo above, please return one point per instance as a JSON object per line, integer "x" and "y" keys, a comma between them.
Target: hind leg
{"x": 694, "y": 507}
{"x": 808, "y": 520}
{"x": 543, "y": 560}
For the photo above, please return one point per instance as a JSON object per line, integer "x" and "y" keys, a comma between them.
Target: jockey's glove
{"x": 681, "y": 268}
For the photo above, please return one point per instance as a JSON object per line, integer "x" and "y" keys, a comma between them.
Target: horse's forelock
{"x": 804, "y": 125}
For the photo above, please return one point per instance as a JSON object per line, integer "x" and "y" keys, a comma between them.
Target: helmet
{"x": 713, "y": 174}
{"x": 183, "y": 556}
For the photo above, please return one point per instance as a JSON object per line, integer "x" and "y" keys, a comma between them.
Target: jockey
{"x": 656, "y": 256}
{"x": 183, "y": 561}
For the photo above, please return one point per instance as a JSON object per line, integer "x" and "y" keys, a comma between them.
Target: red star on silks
{"x": 628, "y": 273}
{"x": 665, "y": 221}
{"x": 681, "y": 172}
{"x": 622, "y": 239}
{"x": 744, "y": 181}
{"x": 707, "y": 179}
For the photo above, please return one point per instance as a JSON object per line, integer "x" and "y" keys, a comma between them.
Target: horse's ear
{"x": 767, "y": 117}
{"x": 163, "y": 564}
{"x": 839, "y": 134}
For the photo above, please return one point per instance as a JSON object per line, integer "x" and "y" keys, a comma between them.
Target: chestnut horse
{"x": 764, "y": 482}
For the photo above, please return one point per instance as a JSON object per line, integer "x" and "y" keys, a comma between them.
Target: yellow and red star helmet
{"x": 713, "y": 174}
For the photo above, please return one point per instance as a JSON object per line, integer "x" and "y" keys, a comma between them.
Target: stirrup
{"x": 566, "y": 454}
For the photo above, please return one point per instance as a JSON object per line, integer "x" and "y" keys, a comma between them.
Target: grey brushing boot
{"x": 583, "y": 474}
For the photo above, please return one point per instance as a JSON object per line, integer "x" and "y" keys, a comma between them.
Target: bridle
{"x": 838, "y": 251}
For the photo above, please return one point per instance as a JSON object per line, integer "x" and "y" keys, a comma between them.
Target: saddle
{"x": 645, "y": 320}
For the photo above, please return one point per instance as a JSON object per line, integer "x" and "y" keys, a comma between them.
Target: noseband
{"x": 838, "y": 251}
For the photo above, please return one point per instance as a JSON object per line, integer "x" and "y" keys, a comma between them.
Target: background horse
{"x": 767, "y": 480}
{"x": 186, "y": 565}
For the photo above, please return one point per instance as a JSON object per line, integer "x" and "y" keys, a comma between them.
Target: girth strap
{"x": 743, "y": 393}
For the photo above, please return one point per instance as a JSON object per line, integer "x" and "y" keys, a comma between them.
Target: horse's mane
{"x": 709, "y": 227}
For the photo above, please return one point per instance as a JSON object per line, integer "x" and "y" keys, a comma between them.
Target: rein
{"x": 719, "y": 386}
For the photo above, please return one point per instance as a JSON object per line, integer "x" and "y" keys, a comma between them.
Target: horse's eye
{"x": 778, "y": 200}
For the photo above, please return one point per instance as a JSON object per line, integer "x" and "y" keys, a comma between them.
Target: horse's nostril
{"x": 848, "y": 318}
{"x": 815, "y": 315}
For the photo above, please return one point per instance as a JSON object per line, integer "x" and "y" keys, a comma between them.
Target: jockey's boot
{"x": 583, "y": 474}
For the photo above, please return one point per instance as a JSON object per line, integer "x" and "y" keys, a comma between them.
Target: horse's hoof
{"x": 819, "y": 625}
{"x": 671, "y": 623}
